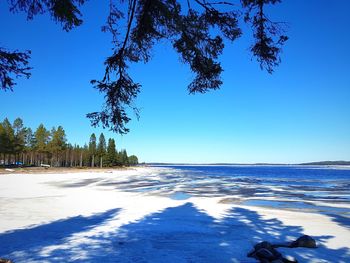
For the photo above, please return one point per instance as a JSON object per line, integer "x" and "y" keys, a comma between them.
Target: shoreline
{"x": 63, "y": 170}
{"x": 53, "y": 170}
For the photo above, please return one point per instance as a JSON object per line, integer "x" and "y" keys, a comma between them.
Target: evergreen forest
{"x": 22, "y": 146}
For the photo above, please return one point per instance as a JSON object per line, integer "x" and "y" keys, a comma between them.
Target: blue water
{"x": 268, "y": 171}
{"x": 298, "y": 176}
{"x": 180, "y": 196}
{"x": 290, "y": 187}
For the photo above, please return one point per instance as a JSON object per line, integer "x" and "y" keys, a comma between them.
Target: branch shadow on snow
{"x": 75, "y": 183}
{"x": 186, "y": 234}
{"x": 176, "y": 234}
{"x": 24, "y": 245}
{"x": 341, "y": 220}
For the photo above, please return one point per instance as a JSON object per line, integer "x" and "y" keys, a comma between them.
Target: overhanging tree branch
{"x": 198, "y": 35}
{"x": 13, "y": 64}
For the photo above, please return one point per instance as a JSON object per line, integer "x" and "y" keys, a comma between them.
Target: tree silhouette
{"x": 196, "y": 29}
{"x": 13, "y": 64}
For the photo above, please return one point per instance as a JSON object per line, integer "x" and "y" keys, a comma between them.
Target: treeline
{"x": 328, "y": 163}
{"x": 20, "y": 145}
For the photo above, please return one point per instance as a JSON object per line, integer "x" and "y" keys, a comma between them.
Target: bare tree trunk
{"x": 101, "y": 162}
{"x": 93, "y": 161}
{"x": 81, "y": 159}
{"x": 67, "y": 161}
{"x": 71, "y": 160}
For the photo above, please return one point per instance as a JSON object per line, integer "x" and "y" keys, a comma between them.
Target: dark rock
{"x": 289, "y": 259}
{"x": 2, "y": 260}
{"x": 263, "y": 244}
{"x": 258, "y": 246}
{"x": 304, "y": 241}
{"x": 264, "y": 252}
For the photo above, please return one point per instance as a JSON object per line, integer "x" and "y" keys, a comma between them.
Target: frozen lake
{"x": 173, "y": 214}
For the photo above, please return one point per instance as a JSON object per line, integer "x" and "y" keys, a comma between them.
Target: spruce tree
{"x": 101, "y": 148}
{"x": 111, "y": 153}
{"x": 124, "y": 157}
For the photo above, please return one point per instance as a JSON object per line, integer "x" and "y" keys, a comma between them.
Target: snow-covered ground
{"x": 133, "y": 216}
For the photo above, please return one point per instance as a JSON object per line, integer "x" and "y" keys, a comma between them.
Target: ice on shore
{"x": 137, "y": 216}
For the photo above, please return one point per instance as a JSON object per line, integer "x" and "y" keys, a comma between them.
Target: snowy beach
{"x": 158, "y": 214}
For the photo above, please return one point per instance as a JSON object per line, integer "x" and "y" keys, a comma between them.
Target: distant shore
{"x": 321, "y": 163}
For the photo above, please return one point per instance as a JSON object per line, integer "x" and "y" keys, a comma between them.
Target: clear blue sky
{"x": 300, "y": 113}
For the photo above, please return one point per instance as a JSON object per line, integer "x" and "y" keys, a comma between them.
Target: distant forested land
{"x": 21, "y": 146}
{"x": 328, "y": 163}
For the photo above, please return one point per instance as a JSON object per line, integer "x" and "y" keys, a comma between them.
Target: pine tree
{"x": 42, "y": 137}
{"x": 3, "y": 140}
{"x": 58, "y": 143}
{"x": 133, "y": 160}
{"x": 197, "y": 30}
{"x": 69, "y": 155}
{"x": 86, "y": 156}
{"x": 92, "y": 149}
{"x": 29, "y": 145}
{"x": 19, "y": 138}
{"x": 9, "y": 140}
